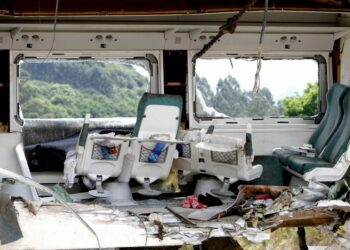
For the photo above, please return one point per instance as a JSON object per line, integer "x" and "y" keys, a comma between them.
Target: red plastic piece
{"x": 192, "y": 202}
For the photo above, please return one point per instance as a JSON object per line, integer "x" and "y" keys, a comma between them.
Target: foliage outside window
{"x": 289, "y": 88}
{"x": 62, "y": 88}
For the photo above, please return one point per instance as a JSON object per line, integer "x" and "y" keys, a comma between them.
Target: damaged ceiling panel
{"x": 156, "y": 7}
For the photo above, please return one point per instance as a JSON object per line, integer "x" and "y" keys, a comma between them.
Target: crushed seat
{"x": 333, "y": 150}
{"x": 230, "y": 159}
{"x": 326, "y": 128}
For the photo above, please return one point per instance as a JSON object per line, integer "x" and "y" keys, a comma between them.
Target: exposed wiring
{"x": 229, "y": 27}
{"x": 231, "y": 63}
{"x": 34, "y": 184}
{"x": 143, "y": 223}
{"x": 260, "y": 49}
{"x": 54, "y": 29}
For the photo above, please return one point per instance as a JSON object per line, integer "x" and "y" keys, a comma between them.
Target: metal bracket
{"x": 9, "y": 180}
{"x": 99, "y": 187}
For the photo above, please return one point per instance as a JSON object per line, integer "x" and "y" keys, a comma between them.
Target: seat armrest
{"x": 329, "y": 174}
{"x": 221, "y": 143}
{"x": 106, "y": 137}
{"x": 215, "y": 147}
{"x": 161, "y": 141}
{"x": 310, "y": 152}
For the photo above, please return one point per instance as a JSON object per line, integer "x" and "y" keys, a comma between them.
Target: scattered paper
{"x": 208, "y": 213}
{"x": 330, "y": 203}
{"x": 256, "y": 236}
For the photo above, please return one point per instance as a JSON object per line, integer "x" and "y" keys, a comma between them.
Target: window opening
{"x": 70, "y": 88}
{"x": 289, "y": 88}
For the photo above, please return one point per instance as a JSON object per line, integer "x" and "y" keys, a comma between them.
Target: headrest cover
{"x": 156, "y": 99}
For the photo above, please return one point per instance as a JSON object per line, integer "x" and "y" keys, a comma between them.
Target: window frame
{"x": 153, "y": 58}
{"x": 323, "y": 85}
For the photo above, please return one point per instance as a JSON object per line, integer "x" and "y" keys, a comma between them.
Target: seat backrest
{"x": 338, "y": 142}
{"x": 158, "y": 114}
{"x": 158, "y": 117}
{"x": 331, "y": 119}
{"x": 99, "y": 154}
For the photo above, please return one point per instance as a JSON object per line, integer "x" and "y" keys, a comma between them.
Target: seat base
{"x": 120, "y": 194}
{"x": 206, "y": 185}
{"x": 148, "y": 191}
{"x": 296, "y": 182}
{"x": 222, "y": 192}
{"x": 96, "y": 193}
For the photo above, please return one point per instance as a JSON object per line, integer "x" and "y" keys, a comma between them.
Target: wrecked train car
{"x": 150, "y": 123}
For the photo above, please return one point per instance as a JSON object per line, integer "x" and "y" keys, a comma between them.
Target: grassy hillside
{"x": 74, "y": 88}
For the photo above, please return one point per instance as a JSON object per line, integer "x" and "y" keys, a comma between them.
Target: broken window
{"x": 70, "y": 88}
{"x": 288, "y": 87}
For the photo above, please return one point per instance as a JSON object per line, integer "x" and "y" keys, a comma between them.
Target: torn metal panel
{"x": 9, "y": 228}
{"x": 209, "y": 213}
{"x": 306, "y": 218}
{"x": 142, "y": 226}
{"x": 115, "y": 228}
{"x": 246, "y": 192}
{"x": 336, "y": 205}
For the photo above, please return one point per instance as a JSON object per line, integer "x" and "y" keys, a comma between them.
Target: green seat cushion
{"x": 310, "y": 166}
{"x": 303, "y": 164}
{"x": 283, "y": 155}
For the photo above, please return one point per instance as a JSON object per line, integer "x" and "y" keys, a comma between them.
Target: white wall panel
{"x": 71, "y": 41}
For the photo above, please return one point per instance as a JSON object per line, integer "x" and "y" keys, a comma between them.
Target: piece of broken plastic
{"x": 339, "y": 190}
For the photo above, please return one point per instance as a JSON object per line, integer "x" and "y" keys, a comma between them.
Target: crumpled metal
{"x": 9, "y": 227}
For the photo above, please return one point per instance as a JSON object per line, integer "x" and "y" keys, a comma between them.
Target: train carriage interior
{"x": 140, "y": 104}
{"x": 279, "y": 80}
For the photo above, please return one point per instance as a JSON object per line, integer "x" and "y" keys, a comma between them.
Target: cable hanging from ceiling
{"x": 229, "y": 27}
{"x": 54, "y": 29}
{"x": 256, "y": 86}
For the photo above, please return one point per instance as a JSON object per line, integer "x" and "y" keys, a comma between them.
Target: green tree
{"x": 304, "y": 105}
{"x": 260, "y": 104}
{"x": 203, "y": 86}
{"x": 71, "y": 89}
{"x": 232, "y": 101}
{"x": 101, "y": 76}
{"x": 229, "y": 98}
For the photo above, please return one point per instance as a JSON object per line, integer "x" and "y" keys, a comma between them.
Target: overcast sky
{"x": 282, "y": 77}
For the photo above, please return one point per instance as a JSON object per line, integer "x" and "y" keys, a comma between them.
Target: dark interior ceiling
{"x": 158, "y": 7}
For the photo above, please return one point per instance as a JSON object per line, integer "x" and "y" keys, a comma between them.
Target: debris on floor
{"x": 254, "y": 210}
{"x": 209, "y": 200}
{"x": 33, "y": 206}
{"x": 339, "y": 191}
{"x": 192, "y": 202}
{"x": 61, "y": 192}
